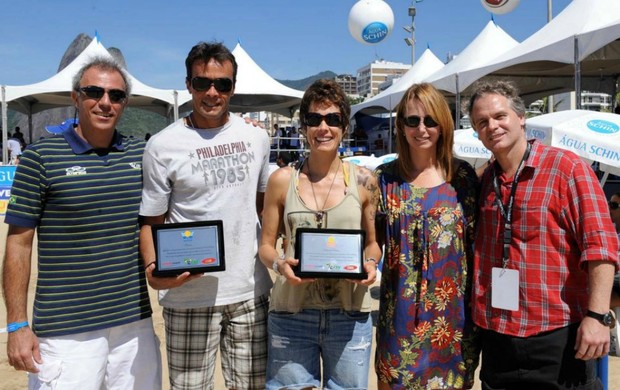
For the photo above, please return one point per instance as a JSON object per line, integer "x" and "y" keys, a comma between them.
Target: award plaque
{"x": 330, "y": 253}
{"x": 194, "y": 247}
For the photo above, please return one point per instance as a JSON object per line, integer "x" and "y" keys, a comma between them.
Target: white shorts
{"x": 122, "y": 357}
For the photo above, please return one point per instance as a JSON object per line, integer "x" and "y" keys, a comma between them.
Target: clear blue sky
{"x": 289, "y": 39}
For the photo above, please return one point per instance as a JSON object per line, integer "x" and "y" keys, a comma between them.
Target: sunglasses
{"x": 204, "y": 84}
{"x": 315, "y": 119}
{"x": 613, "y": 205}
{"x": 95, "y": 92}
{"x": 414, "y": 121}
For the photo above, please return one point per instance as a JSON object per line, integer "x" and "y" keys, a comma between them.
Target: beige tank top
{"x": 322, "y": 293}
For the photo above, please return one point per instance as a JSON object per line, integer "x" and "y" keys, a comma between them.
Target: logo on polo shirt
{"x": 75, "y": 170}
{"x": 135, "y": 165}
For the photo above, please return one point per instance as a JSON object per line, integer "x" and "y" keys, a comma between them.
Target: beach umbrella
{"x": 592, "y": 135}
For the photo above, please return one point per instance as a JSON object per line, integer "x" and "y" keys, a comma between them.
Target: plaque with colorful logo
{"x": 330, "y": 253}
{"x": 194, "y": 247}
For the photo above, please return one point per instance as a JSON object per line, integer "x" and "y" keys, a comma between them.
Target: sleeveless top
{"x": 322, "y": 293}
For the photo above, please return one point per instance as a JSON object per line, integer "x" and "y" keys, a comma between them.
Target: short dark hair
{"x": 327, "y": 92}
{"x": 206, "y": 51}
{"x": 287, "y": 157}
{"x": 103, "y": 63}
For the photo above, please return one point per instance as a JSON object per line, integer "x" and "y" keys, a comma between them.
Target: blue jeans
{"x": 297, "y": 342}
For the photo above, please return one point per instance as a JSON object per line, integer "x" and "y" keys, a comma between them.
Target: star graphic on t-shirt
{"x": 191, "y": 155}
{"x": 248, "y": 144}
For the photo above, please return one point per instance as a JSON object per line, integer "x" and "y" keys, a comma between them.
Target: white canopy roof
{"x": 586, "y": 31}
{"x": 255, "y": 89}
{"x": 490, "y": 42}
{"x": 56, "y": 90}
{"x": 387, "y": 100}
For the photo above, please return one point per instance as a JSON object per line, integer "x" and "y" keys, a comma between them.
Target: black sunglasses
{"x": 95, "y": 92}
{"x": 315, "y": 119}
{"x": 414, "y": 121}
{"x": 613, "y": 205}
{"x": 204, "y": 83}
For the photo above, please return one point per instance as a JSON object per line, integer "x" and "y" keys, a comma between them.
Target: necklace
{"x": 319, "y": 215}
{"x": 191, "y": 122}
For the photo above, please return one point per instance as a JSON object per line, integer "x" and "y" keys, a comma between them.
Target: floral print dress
{"x": 425, "y": 335}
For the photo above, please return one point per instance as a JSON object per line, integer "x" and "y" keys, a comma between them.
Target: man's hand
{"x": 592, "y": 340}
{"x": 23, "y": 350}
{"x": 165, "y": 283}
{"x": 254, "y": 122}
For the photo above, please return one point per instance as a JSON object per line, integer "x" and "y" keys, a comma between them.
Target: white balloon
{"x": 371, "y": 21}
{"x": 499, "y": 6}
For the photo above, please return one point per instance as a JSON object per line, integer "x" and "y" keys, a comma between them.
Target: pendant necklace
{"x": 319, "y": 215}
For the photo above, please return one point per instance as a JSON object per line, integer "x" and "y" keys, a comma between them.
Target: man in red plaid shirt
{"x": 544, "y": 255}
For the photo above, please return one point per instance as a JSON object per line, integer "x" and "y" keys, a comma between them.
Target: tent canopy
{"x": 387, "y": 100}
{"x": 56, "y": 90}
{"x": 579, "y": 44}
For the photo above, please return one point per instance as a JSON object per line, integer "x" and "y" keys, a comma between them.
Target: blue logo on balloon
{"x": 374, "y": 32}
{"x": 602, "y": 126}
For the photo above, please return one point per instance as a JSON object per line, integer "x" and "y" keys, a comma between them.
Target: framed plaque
{"x": 196, "y": 247}
{"x": 330, "y": 253}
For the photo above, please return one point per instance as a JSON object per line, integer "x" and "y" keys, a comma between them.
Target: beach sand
{"x": 13, "y": 380}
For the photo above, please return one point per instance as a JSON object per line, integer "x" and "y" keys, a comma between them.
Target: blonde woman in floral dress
{"x": 425, "y": 336}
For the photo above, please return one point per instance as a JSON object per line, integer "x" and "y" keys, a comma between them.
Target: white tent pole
{"x": 5, "y": 124}
{"x": 391, "y": 124}
{"x": 577, "y": 75}
{"x": 604, "y": 178}
{"x": 457, "y": 103}
{"x": 175, "y": 94}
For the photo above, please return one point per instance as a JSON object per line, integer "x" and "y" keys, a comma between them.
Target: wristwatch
{"x": 607, "y": 319}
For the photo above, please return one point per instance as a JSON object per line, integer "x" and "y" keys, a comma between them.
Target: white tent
{"x": 255, "y": 90}
{"x": 490, "y": 42}
{"x": 56, "y": 91}
{"x": 387, "y": 100}
{"x": 453, "y": 78}
{"x": 580, "y": 43}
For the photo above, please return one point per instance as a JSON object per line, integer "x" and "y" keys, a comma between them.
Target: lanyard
{"x": 506, "y": 210}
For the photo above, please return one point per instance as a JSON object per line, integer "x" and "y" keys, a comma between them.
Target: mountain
{"x": 302, "y": 84}
{"x": 134, "y": 122}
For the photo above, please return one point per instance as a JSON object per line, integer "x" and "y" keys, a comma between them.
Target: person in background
{"x": 14, "y": 148}
{"x": 545, "y": 255}
{"x": 80, "y": 192}
{"x": 284, "y": 159}
{"x": 319, "y": 320}
{"x": 425, "y": 335}
{"x": 211, "y": 165}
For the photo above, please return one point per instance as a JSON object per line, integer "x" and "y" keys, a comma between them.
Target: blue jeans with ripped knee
{"x": 298, "y": 341}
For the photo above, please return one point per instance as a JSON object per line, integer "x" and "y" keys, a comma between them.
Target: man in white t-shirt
{"x": 211, "y": 165}
{"x": 15, "y": 150}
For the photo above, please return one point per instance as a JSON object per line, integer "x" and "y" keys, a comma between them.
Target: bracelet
{"x": 13, "y": 326}
{"x": 371, "y": 259}
{"x": 275, "y": 267}
{"x": 149, "y": 264}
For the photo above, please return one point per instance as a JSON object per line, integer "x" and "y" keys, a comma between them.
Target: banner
{"x": 7, "y": 173}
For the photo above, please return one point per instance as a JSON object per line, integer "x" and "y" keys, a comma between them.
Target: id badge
{"x": 505, "y": 289}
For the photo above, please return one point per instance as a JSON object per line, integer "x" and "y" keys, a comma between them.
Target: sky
{"x": 289, "y": 39}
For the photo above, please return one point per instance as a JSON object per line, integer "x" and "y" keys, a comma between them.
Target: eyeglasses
{"x": 414, "y": 121}
{"x": 613, "y": 205}
{"x": 315, "y": 119}
{"x": 95, "y": 92}
{"x": 204, "y": 84}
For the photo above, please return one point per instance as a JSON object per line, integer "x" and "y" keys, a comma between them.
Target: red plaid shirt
{"x": 560, "y": 220}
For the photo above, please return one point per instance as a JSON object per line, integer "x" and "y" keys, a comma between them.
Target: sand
{"x": 11, "y": 379}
